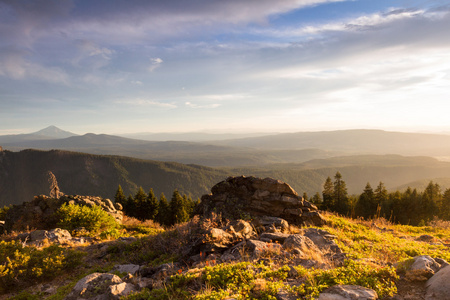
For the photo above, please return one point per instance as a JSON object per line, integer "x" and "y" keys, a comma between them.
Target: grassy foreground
{"x": 377, "y": 252}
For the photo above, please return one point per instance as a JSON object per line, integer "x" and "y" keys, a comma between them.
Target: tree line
{"x": 146, "y": 206}
{"x": 409, "y": 207}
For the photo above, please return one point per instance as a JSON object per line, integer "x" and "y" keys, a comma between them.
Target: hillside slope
{"x": 24, "y": 174}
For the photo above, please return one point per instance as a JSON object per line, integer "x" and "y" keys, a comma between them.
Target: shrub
{"x": 29, "y": 264}
{"x": 94, "y": 219}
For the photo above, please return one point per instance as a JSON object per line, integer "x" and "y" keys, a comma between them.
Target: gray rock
{"x": 128, "y": 268}
{"x": 59, "y": 235}
{"x": 438, "y": 286}
{"x": 121, "y": 289}
{"x": 303, "y": 243}
{"x": 274, "y": 222}
{"x": 38, "y": 235}
{"x": 95, "y": 285}
{"x": 348, "y": 292}
{"x": 323, "y": 240}
{"x": 422, "y": 268}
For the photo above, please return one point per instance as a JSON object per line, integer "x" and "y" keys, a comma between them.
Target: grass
{"x": 374, "y": 248}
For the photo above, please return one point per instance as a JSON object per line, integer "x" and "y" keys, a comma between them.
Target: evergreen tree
{"x": 140, "y": 209}
{"x": 431, "y": 199}
{"x": 120, "y": 196}
{"x": 163, "y": 215}
{"x": 305, "y": 196}
{"x": 328, "y": 194}
{"x": 366, "y": 206}
{"x": 444, "y": 209}
{"x": 178, "y": 209}
{"x": 153, "y": 205}
{"x": 341, "y": 201}
{"x": 317, "y": 200}
{"x": 129, "y": 206}
{"x": 381, "y": 197}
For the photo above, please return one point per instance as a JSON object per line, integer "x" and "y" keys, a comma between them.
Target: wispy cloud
{"x": 155, "y": 63}
{"x": 142, "y": 102}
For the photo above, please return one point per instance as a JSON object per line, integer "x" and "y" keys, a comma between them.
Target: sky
{"x": 124, "y": 66}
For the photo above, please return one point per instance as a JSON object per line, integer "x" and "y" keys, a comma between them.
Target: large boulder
{"x": 238, "y": 197}
{"x": 40, "y": 212}
{"x": 438, "y": 286}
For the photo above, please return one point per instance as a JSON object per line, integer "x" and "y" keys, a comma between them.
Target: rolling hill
{"x": 24, "y": 174}
{"x": 250, "y": 151}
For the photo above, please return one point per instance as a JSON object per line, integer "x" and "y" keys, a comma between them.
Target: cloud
{"x": 155, "y": 63}
{"x": 15, "y": 65}
{"x": 193, "y": 105}
{"x": 142, "y": 102}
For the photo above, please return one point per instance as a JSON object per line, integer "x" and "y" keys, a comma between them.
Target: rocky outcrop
{"x": 251, "y": 197}
{"x": 40, "y": 212}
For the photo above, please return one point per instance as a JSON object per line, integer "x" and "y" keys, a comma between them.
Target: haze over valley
{"x": 97, "y": 164}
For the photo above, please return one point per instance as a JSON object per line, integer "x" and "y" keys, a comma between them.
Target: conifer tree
{"x": 444, "y": 209}
{"x": 163, "y": 215}
{"x": 328, "y": 194}
{"x": 317, "y": 200}
{"x": 366, "y": 206}
{"x": 178, "y": 210}
{"x": 153, "y": 205}
{"x": 140, "y": 201}
{"x": 341, "y": 201}
{"x": 120, "y": 196}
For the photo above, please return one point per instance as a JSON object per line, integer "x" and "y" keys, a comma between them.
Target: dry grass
{"x": 130, "y": 221}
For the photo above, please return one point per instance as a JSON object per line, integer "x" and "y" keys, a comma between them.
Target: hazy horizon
{"x": 121, "y": 67}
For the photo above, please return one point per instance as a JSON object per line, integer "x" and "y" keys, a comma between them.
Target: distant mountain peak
{"x": 54, "y": 132}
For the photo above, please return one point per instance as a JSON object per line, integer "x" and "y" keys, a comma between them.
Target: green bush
{"x": 94, "y": 219}
{"x": 29, "y": 264}
{"x": 3, "y": 212}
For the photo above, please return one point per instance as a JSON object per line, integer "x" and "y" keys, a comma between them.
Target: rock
{"x": 128, "y": 268}
{"x": 276, "y": 223}
{"x": 259, "y": 248}
{"x": 348, "y": 292}
{"x": 274, "y": 237}
{"x": 425, "y": 238}
{"x": 220, "y": 236}
{"x": 95, "y": 285}
{"x": 59, "y": 235}
{"x": 300, "y": 242}
{"x": 241, "y": 229}
{"x": 121, "y": 289}
{"x": 37, "y": 235}
{"x": 40, "y": 212}
{"x": 323, "y": 240}
{"x": 438, "y": 286}
{"x": 441, "y": 261}
{"x": 255, "y": 197}
{"x": 422, "y": 268}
